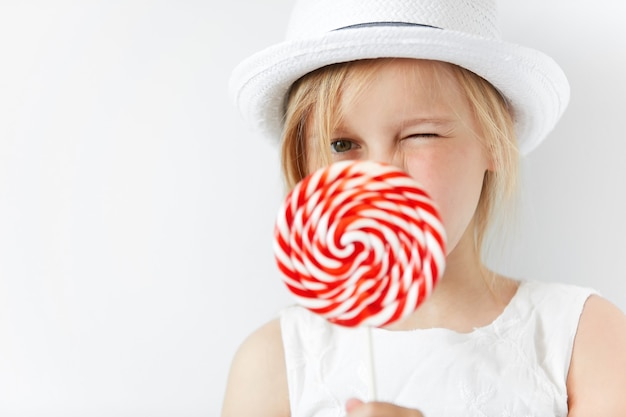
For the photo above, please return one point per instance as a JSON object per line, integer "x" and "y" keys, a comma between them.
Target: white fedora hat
{"x": 462, "y": 32}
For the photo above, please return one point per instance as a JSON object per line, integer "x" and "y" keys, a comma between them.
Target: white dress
{"x": 516, "y": 366}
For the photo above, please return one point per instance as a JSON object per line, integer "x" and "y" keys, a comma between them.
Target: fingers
{"x": 352, "y": 404}
{"x": 357, "y": 408}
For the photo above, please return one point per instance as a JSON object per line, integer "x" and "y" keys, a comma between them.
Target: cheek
{"x": 456, "y": 190}
{"x": 458, "y": 203}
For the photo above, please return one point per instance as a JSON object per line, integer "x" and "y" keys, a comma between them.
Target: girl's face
{"x": 414, "y": 114}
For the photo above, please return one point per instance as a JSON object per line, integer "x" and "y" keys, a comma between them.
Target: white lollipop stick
{"x": 371, "y": 370}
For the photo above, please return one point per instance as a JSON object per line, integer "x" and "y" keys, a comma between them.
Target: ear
{"x": 490, "y": 159}
{"x": 490, "y": 165}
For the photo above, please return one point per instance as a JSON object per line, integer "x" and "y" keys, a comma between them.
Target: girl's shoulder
{"x": 597, "y": 377}
{"x": 257, "y": 383}
{"x": 555, "y": 306}
{"x": 538, "y": 291}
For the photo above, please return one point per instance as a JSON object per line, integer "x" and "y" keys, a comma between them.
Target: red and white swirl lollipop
{"x": 359, "y": 243}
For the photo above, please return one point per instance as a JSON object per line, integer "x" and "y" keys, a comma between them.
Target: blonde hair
{"x": 316, "y": 97}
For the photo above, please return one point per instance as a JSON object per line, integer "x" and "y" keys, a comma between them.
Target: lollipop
{"x": 359, "y": 243}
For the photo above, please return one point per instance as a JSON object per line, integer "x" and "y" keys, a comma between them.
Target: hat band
{"x": 372, "y": 24}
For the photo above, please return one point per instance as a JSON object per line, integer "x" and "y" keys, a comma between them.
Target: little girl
{"x": 429, "y": 87}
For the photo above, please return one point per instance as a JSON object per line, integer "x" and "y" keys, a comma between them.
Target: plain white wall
{"x": 136, "y": 211}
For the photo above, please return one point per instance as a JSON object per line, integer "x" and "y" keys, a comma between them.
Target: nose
{"x": 387, "y": 155}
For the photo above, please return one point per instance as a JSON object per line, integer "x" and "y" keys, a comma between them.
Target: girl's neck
{"x": 468, "y": 296}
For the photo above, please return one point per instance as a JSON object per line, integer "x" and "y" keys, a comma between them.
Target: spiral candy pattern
{"x": 359, "y": 243}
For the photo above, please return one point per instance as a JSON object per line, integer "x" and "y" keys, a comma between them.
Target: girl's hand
{"x": 357, "y": 408}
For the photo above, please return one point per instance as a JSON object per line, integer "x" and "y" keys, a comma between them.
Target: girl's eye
{"x": 341, "y": 145}
{"x": 425, "y": 135}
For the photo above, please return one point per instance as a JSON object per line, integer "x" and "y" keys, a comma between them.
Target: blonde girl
{"x": 427, "y": 86}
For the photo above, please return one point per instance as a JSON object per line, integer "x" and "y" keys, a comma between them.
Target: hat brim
{"x": 534, "y": 85}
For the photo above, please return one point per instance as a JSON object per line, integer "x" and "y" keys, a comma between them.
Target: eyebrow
{"x": 426, "y": 120}
{"x": 438, "y": 121}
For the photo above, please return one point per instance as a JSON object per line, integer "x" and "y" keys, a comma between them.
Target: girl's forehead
{"x": 424, "y": 75}
{"x": 413, "y": 82}
{"x": 390, "y": 90}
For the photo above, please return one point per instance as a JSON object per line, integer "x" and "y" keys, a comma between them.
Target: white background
{"x": 136, "y": 211}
